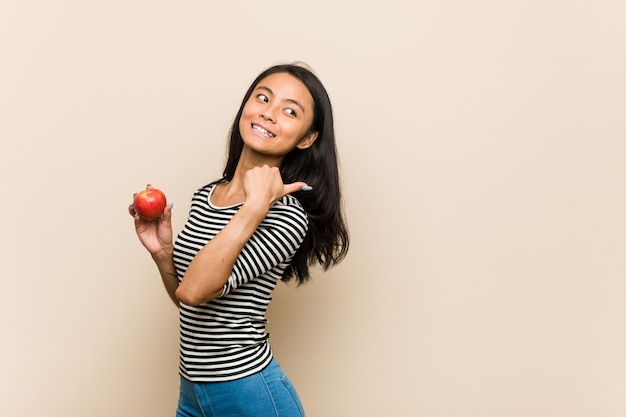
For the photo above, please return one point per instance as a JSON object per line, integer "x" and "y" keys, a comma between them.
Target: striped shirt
{"x": 225, "y": 338}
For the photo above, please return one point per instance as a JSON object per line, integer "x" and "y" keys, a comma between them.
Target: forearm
{"x": 167, "y": 270}
{"x": 208, "y": 272}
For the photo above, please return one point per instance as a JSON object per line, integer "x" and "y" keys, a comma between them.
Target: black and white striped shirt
{"x": 225, "y": 339}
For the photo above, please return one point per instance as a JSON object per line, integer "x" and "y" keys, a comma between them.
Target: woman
{"x": 275, "y": 212}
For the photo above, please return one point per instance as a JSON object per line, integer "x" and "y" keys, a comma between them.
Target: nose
{"x": 269, "y": 113}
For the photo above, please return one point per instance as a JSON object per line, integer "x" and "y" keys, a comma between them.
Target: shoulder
{"x": 205, "y": 190}
{"x": 289, "y": 203}
{"x": 202, "y": 194}
{"x": 289, "y": 210}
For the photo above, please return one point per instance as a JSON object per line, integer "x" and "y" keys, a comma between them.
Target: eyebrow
{"x": 290, "y": 100}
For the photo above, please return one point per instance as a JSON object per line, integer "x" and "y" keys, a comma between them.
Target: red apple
{"x": 150, "y": 203}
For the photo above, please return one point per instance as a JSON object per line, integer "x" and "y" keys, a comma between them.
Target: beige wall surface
{"x": 483, "y": 148}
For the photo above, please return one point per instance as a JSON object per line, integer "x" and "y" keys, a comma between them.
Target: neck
{"x": 250, "y": 159}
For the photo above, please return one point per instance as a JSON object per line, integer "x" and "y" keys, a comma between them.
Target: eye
{"x": 291, "y": 112}
{"x": 263, "y": 97}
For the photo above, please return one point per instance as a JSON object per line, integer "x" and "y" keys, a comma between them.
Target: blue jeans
{"x": 268, "y": 393}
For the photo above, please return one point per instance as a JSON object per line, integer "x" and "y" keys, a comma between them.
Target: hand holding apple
{"x": 149, "y": 203}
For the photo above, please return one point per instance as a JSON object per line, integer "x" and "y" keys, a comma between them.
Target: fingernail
{"x": 306, "y": 188}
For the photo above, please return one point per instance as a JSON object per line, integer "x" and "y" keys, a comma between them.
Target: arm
{"x": 165, "y": 264}
{"x": 156, "y": 237}
{"x": 210, "y": 269}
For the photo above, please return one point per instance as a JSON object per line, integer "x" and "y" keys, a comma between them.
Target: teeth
{"x": 263, "y": 131}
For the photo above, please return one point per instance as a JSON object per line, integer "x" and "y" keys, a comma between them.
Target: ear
{"x": 307, "y": 140}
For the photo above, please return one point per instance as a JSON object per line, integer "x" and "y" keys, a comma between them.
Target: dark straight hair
{"x": 327, "y": 240}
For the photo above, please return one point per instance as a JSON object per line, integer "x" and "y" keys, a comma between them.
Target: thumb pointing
{"x": 297, "y": 186}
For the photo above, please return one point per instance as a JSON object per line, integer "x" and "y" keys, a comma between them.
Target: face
{"x": 277, "y": 117}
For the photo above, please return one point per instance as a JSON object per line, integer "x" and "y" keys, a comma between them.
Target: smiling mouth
{"x": 262, "y": 131}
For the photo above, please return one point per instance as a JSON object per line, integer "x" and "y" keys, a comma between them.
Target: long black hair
{"x": 327, "y": 239}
